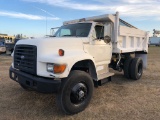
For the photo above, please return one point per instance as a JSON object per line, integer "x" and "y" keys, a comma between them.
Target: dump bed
{"x": 125, "y": 37}
{"x": 130, "y": 40}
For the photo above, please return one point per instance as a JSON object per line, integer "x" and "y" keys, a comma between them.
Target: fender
{"x": 70, "y": 58}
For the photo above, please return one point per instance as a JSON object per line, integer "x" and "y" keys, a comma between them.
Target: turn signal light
{"x": 59, "y": 68}
{"x": 61, "y": 52}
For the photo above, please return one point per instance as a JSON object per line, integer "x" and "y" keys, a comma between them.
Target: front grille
{"x": 25, "y": 58}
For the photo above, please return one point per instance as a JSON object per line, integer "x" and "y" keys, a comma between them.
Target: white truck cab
{"x": 78, "y": 57}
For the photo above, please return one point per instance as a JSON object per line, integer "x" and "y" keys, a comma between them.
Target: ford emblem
{"x": 22, "y": 57}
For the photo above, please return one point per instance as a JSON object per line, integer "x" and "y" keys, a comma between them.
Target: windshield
{"x": 78, "y": 30}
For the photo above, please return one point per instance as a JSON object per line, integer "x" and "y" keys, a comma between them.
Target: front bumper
{"x": 37, "y": 83}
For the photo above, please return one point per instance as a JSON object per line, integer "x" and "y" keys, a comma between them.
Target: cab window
{"x": 99, "y": 31}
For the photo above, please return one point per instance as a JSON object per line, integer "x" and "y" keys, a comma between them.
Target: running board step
{"x": 104, "y": 78}
{"x": 103, "y": 81}
{"x": 105, "y": 75}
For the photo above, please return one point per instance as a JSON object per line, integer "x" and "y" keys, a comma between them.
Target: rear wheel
{"x": 76, "y": 92}
{"x": 126, "y": 67}
{"x": 136, "y": 69}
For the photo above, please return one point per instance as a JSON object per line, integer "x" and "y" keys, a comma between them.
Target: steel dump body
{"x": 125, "y": 37}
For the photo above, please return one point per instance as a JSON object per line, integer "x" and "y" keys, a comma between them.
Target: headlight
{"x": 50, "y": 67}
{"x": 56, "y": 68}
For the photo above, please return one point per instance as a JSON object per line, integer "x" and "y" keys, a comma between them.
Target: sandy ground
{"x": 120, "y": 99}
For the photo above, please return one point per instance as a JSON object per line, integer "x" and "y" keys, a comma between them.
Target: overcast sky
{"x": 32, "y": 17}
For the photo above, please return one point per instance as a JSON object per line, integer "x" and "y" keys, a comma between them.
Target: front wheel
{"x": 76, "y": 92}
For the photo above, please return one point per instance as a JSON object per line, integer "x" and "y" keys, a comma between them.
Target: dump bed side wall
{"x": 130, "y": 40}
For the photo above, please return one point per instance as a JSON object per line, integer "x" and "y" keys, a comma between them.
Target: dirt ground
{"x": 120, "y": 99}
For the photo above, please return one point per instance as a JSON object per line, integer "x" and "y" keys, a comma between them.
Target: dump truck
{"x": 79, "y": 57}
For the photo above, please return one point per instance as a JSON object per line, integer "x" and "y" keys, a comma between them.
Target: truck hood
{"x": 51, "y": 45}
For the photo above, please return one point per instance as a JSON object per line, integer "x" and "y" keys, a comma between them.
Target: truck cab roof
{"x": 100, "y": 19}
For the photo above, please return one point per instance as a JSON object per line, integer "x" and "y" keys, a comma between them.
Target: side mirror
{"x": 107, "y": 39}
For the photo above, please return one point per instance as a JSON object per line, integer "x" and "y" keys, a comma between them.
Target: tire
{"x": 136, "y": 69}
{"x": 76, "y": 92}
{"x": 126, "y": 67}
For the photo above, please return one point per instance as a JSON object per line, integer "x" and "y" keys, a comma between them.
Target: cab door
{"x": 100, "y": 48}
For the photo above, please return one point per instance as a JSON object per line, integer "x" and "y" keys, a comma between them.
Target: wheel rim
{"x": 78, "y": 93}
{"x": 140, "y": 69}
